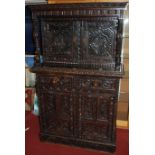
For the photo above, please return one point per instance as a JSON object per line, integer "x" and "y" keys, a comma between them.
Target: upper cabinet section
{"x": 79, "y": 35}
{"x": 79, "y": 43}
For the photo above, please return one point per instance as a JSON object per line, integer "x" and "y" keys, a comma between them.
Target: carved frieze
{"x": 94, "y": 132}
{"x": 51, "y": 84}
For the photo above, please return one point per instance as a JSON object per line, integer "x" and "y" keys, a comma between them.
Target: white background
{"x": 142, "y": 77}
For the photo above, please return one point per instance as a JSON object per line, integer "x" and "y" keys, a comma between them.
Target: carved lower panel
{"x": 88, "y": 107}
{"x": 59, "y": 128}
{"x": 95, "y": 117}
{"x": 103, "y": 109}
{"x": 56, "y": 114}
{"x": 65, "y": 106}
{"x": 94, "y": 131}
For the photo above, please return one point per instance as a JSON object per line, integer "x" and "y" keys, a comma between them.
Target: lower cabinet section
{"x": 83, "y": 118}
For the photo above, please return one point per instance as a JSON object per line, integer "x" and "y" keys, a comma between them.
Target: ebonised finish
{"x": 77, "y": 83}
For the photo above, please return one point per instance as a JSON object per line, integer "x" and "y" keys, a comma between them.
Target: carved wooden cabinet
{"x": 78, "y": 67}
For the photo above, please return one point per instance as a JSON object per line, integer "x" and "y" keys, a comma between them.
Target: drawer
{"x": 98, "y": 84}
{"x": 59, "y": 83}
{"x": 54, "y": 83}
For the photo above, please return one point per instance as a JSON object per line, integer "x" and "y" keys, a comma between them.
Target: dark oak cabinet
{"x": 78, "y": 67}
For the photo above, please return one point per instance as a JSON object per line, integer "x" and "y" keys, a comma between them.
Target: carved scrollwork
{"x": 103, "y": 109}
{"x": 109, "y": 83}
{"x": 94, "y": 132}
{"x": 101, "y": 39}
{"x": 88, "y": 105}
{"x": 50, "y": 84}
{"x": 57, "y": 39}
{"x": 100, "y": 83}
{"x": 65, "y": 106}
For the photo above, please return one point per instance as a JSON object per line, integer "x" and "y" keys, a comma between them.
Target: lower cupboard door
{"x": 96, "y": 117}
{"x": 56, "y": 114}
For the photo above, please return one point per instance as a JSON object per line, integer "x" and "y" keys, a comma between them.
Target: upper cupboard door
{"x": 79, "y": 42}
{"x": 98, "y": 41}
{"x": 57, "y": 39}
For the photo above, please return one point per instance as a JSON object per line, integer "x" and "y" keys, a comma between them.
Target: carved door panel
{"x": 56, "y": 114}
{"x": 98, "y": 41}
{"x": 79, "y": 42}
{"x": 60, "y": 40}
{"x": 95, "y": 117}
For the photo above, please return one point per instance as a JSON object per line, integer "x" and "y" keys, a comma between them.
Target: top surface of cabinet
{"x": 82, "y": 1}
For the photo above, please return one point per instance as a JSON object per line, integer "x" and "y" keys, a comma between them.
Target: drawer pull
{"x": 55, "y": 80}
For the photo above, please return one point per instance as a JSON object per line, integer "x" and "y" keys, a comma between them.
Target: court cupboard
{"x": 78, "y": 68}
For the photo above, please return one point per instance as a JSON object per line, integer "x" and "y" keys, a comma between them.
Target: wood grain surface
{"x": 82, "y": 1}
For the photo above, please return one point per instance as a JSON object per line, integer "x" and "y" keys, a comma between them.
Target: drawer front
{"x": 98, "y": 85}
{"x": 54, "y": 83}
{"x": 59, "y": 83}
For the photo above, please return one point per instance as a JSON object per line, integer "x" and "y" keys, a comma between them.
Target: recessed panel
{"x": 57, "y": 39}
